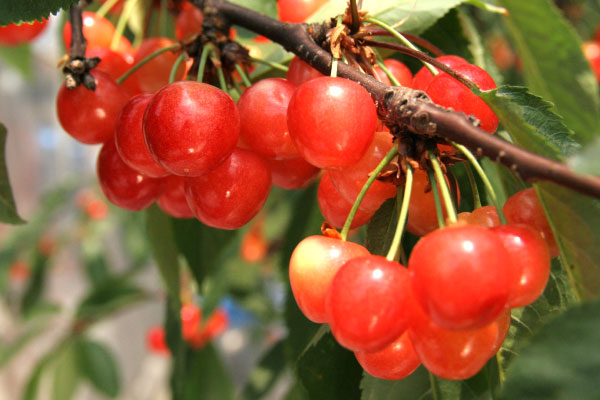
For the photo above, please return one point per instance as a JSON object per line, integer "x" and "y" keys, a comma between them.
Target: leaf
{"x": 35, "y": 285}
{"x": 8, "y": 351}
{"x": 8, "y": 210}
{"x": 108, "y": 297}
{"x": 31, "y": 387}
{"x": 553, "y": 64}
{"x": 19, "y": 57}
{"x": 28, "y": 10}
{"x": 382, "y": 227}
{"x": 66, "y": 373}
{"x": 562, "y": 361}
{"x": 164, "y": 250}
{"x": 266, "y": 7}
{"x": 264, "y": 375}
{"x": 413, "y": 387}
{"x": 207, "y": 377}
{"x": 97, "y": 364}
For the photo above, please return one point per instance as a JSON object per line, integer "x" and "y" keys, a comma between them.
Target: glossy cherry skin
{"x": 191, "y": 127}
{"x": 423, "y": 78}
{"x": 172, "y": 199}
{"x": 334, "y": 208}
{"x": 485, "y": 216}
{"x": 350, "y": 181}
{"x": 292, "y": 174}
{"x": 156, "y": 340}
{"x": 130, "y": 140}
{"x": 398, "y": 70}
{"x": 123, "y": 186}
{"x": 98, "y": 32}
{"x": 14, "y": 35}
{"x": 113, "y": 63}
{"x": 331, "y": 121}
{"x": 90, "y": 116}
{"x": 314, "y": 263}
{"x": 188, "y": 22}
{"x": 300, "y": 72}
{"x": 155, "y": 74}
{"x": 530, "y": 259}
{"x": 298, "y": 10}
{"x": 367, "y": 303}
{"x": 231, "y": 195}
{"x": 525, "y": 208}
{"x": 396, "y": 361}
{"x": 263, "y": 125}
{"x": 461, "y": 276}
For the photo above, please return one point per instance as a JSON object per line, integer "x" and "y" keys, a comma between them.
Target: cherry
{"x": 298, "y": 10}
{"x": 349, "y": 181}
{"x": 461, "y": 276}
{"x": 117, "y": 8}
{"x": 191, "y": 127}
{"x": 98, "y": 32}
{"x": 233, "y": 193}
{"x": 172, "y": 199}
{"x": 424, "y": 77}
{"x": 591, "y": 50}
{"x": 156, "y": 340}
{"x": 292, "y": 174}
{"x": 254, "y": 247}
{"x": 130, "y": 140}
{"x": 113, "y": 63}
{"x": 485, "y": 216}
{"x": 189, "y": 21}
{"x": 155, "y": 73}
{"x": 367, "y": 303}
{"x": 123, "y": 186}
{"x": 90, "y": 116}
{"x": 300, "y": 72}
{"x": 525, "y": 208}
{"x": 263, "y": 126}
{"x": 396, "y": 361}
{"x": 331, "y": 121}
{"x": 530, "y": 259}
{"x": 14, "y": 35}
{"x": 398, "y": 70}
{"x": 313, "y": 265}
{"x": 216, "y": 324}
{"x": 334, "y": 208}
{"x": 19, "y": 271}
{"x": 191, "y": 318}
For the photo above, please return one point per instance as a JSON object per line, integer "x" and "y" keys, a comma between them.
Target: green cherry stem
{"x": 147, "y": 59}
{"x": 439, "y": 176}
{"x": 486, "y": 182}
{"x": 202, "y": 66}
{"x": 436, "y": 197}
{"x": 372, "y": 176}
{"x": 271, "y": 64}
{"x": 391, "y": 255}
{"x": 176, "y": 64}
{"x": 122, "y": 23}
{"x": 385, "y": 69}
{"x": 243, "y": 75}
{"x": 474, "y": 188}
{"x": 106, "y": 7}
{"x": 222, "y": 81}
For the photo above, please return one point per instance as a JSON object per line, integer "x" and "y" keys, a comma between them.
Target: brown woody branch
{"x": 406, "y": 108}
{"x": 78, "y": 66}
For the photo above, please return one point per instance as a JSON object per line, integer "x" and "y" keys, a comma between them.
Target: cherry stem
{"x": 486, "y": 182}
{"x": 403, "y": 215}
{"x": 436, "y": 197}
{"x": 122, "y": 23}
{"x": 474, "y": 188}
{"x": 243, "y": 75}
{"x": 78, "y": 42}
{"x": 419, "y": 41}
{"x": 385, "y": 69}
{"x": 446, "y": 196}
{"x": 146, "y": 59}
{"x": 271, "y": 64}
{"x": 106, "y": 7}
{"x": 372, "y": 176}
{"x": 222, "y": 81}
{"x": 206, "y": 50}
{"x": 176, "y": 64}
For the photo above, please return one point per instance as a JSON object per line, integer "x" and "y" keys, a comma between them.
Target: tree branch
{"x": 404, "y": 107}
{"x": 77, "y": 66}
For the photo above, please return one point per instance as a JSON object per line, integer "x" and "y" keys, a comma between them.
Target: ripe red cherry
{"x": 188, "y": 22}
{"x": 525, "y": 208}
{"x": 298, "y": 10}
{"x": 254, "y": 247}
{"x": 591, "y": 50}
{"x": 300, "y": 72}
{"x": 313, "y": 265}
{"x": 367, "y": 303}
{"x": 231, "y": 195}
{"x": 424, "y": 77}
{"x": 530, "y": 259}
{"x": 90, "y": 116}
{"x": 331, "y": 121}
{"x": 448, "y": 92}
{"x": 113, "y": 63}
{"x": 396, "y": 361}
{"x": 191, "y": 127}
{"x": 172, "y": 199}
{"x": 263, "y": 126}
{"x": 123, "y": 186}
{"x": 98, "y": 32}
{"x": 14, "y": 35}
{"x": 130, "y": 138}
{"x": 292, "y": 174}
{"x": 349, "y": 181}
{"x": 156, "y": 340}
{"x": 155, "y": 73}
{"x": 334, "y": 208}
{"x": 191, "y": 318}
{"x": 398, "y": 70}
{"x": 461, "y": 276}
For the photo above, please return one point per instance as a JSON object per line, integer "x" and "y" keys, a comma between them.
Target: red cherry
{"x": 19, "y": 271}
{"x": 461, "y": 276}
{"x": 14, "y": 35}
{"x": 254, "y": 247}
{"x": 398, "y": 70}
{"x": 189, "y": 21}
{"x": 117, "y": 8}
{"x": 530, "y": 258}
{"x": 123, "y": 186}
{"x": 191, "y": 127}
{"x": 191, "y": 318}
{"x": 367, "y": 303}
{"x": 231, "y": 195}
{"x": 155, "y": 74}
{"x": 217, "y": 323}
{"x": 156, "y": 340}
{"x": 485, "y": 216}
{"x": 313, "y": 265}
{"x": 396, "y": 361}
{"x": 113, "y": 63}
{"x": 591, "y": 50}
{"x": 292, "y": 174}
{"x": 525, "y": 208}
{"x": 263, "y": 126}
{"x": 300, "y": 72}
{"x": 98, "y": 32}
{"x": 424, "y": 77}
{"x": 331, "y": 121}
{"x": 298, "y": 10}
{"x": 172, "y": 199}
{"x": 89, "y": 116}
{"x": 349, "y": 181}
{"x": 334, "y": 208}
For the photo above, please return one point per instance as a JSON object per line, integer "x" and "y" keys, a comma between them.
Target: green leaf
{"x": 35, "y": 285}
{"x": 19, "y": 57}
{"x": 553, "y": 64}
{"x": 265, "y": 374}
{"x": 108, "y": 297}
{"x": 382, "y": 227}
{"x": 415, "y": 386}
{"x": 266, "y": 7}
{"x": 8, "y": 210}
{"x": 207, "y": 377}
{"x": 66, "y": 373}
{"x": 164, "y": 250}
{"x": 31, "y": 387}
{"x": 28, "y": 10}
{"x": 562, "y": 361}
{"x": 97, "y": 364}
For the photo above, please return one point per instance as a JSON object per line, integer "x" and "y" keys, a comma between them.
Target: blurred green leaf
{"x": 66, "y": 373}
{"x": 19, "y": 57}
{"x": 8, "y": 210}
{"x": 207, "y": 377}
{"x": 36, "y": 283}
{"x": 266, "y": 7}
{"x": 163, "y": 247}
{"x": 9, "y": 350}
{"x": 33, "y": 382}
{"x": 415, "y": 386}
{"x": 264, "y": 375}
{"x": 108, "y": 297}
{"x": 97, "y": 364}
{"x": 562, "y": 361}
{"x": 28, "y": 10}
